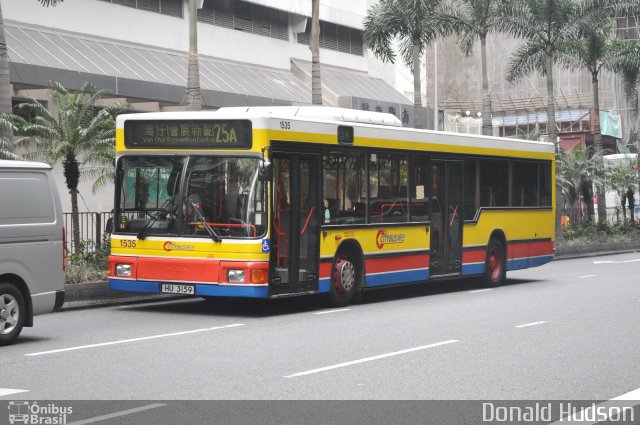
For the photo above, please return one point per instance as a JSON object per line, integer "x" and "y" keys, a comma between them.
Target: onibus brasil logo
{"x": 384, "y": 237}
{"x": 25, "y": 412}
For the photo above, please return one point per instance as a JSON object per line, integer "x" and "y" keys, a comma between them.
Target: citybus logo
{"x": 383, "y": 238}
{"x": 170, "y": 246}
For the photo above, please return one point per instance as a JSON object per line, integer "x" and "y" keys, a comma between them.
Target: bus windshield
{"x": 190, "y": 196}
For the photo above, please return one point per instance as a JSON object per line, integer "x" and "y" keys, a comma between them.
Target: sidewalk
{"x": 98, "y": 294}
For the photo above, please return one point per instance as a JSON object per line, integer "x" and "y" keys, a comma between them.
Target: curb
{"x": 98, "y": 294}
{"x": 568, "y": 252}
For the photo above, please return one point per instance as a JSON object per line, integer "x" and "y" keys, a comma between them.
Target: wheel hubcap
{"x": 494, "y": 266}
{"x": 9, "y": 313}
{"x": 345, "y": 276}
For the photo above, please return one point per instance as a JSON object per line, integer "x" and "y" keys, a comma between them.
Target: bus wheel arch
{"x": 347, "y": 274}
{"x": 495, "y": 270}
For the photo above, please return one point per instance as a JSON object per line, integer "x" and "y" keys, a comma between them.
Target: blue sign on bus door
{"x": 266, "y": 245}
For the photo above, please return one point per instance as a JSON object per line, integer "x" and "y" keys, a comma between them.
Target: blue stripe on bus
{"x": 524, "y": 263}
{"x": 391, "y": 278}
{"x": 470, "y": 269}
{"x": 518, "y": 263}
{"x": 134, "y": 286}
{"x": 324, "y": 285}
{"x": 201, "y": 290}
{"x": 538, "y": 261}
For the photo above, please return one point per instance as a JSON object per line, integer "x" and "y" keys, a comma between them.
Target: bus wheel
{"x": 495, "y": 271}
{"x": 12, "y": 312}
{"x": 344, "y": 280}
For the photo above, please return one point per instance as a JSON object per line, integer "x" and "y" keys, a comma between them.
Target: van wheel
{"x": 345, "y": 280}
{"x": 495, "y": 270}
{"x": 12, "y": 312}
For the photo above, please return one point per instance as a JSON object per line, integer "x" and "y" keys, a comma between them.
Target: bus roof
{"x": 377, "y": 129}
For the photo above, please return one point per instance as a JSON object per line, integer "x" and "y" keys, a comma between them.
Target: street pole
{"x": 435, "y": 85}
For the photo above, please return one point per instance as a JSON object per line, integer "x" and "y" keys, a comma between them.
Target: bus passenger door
{"x": 446, "y": 218}
{"x": 295, "y": 241}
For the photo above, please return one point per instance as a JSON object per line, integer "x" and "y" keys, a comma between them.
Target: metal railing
{"x": 92, "y": 229}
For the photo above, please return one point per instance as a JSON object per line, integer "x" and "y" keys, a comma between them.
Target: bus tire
{"x": 13, "y": 311}
{"x": 345, "y": 279}
{"x": 495, "y": 270}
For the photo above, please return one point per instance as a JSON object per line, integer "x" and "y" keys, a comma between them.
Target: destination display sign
{"x": 187, "y": 134}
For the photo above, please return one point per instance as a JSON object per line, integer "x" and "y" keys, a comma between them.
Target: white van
{"x": 31, "y": 246}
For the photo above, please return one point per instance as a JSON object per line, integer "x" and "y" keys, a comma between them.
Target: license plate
{"x": 169, "y": 288}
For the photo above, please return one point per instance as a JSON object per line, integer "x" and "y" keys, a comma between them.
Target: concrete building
{"x": 252, "y": 52}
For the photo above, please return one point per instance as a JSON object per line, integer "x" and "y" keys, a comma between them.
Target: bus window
{"x": 494, "y": 183}
{"x": 147, "y": 186}
{"x": 344, "y": 188}
{"x": 419, "y": 189}
{"x": 388, "y": 180}
{"x": 471, "y": 188}
{"x": 227, "y": 194}
{"x": 525, "y": 190}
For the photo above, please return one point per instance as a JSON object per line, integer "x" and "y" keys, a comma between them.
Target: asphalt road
{"x": 566, "y": 330}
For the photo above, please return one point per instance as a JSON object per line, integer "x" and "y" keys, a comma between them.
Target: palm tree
{"x": 72, "y": 132}
{"x": 194, "y": 93}
{"x": 314, "y": 46}
{"x": 595, "y": 49}
{"x": 623, "y": 179}
{"x": 472, "y": 20}
{"x": 5, "y": 147}
{"x": 5, "y": 82}
{"x": 416, "y": 23}
{"x": 578, "y": 170}
{"x": 545, "y": 26}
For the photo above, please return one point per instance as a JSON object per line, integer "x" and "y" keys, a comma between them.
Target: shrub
{"x": 87, "y": 265}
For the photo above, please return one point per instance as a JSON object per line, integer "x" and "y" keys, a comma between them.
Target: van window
{"x": 26, "y": 198}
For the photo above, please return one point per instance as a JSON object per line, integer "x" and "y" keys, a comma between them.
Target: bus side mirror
{"x": 265, "y": 172}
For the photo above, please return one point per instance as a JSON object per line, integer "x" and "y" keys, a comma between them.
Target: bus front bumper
{"x": 200, "y": 290}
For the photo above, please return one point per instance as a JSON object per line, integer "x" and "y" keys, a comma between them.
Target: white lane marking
{"x": 332, "y": 311}
{"x": 525, "y": 325}
{"x": 586, "y": 276}
{"x": 368, "y": 359}
{"x": 9, "y": 391}
{"x": 601, "y": 412}
{"x": 123, "y": 341}
{"x": 118, "y": 414}
{"x": 480, "y": 290}
{"x": 631, "y": 395}
{"x": 616, "y": 262}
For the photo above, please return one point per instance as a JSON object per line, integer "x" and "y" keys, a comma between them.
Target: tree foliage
{"x": 74, "y": 131}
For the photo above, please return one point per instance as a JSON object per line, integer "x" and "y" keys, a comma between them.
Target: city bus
{"x": 268, "y": 202}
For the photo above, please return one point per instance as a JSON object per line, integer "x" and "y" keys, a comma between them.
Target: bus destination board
{"x": 187, "y": 134}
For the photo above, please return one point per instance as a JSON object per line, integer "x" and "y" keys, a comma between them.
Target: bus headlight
{"x": 123, "y": 270}
{"x": 235, "y": 276}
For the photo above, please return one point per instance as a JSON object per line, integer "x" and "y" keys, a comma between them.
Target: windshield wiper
{"x": 210, "y": 230}
{"x": 143, "y": 233}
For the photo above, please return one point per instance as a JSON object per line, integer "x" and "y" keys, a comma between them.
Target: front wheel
{"x": 12, "y": 313}
{"x": 495, "y": 271}
{"x": 345, "y": 280}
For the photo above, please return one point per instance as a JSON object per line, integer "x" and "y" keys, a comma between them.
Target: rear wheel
{"x": 345, "y": 280}
{"x": 495, "y": 271}
{"x": 12, "y": 312}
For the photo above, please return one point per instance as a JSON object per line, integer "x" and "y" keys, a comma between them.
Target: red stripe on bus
{"x": 475, "y": 256}
{"x": 541, "y": 248}
{"x": 178, "y": 269}
{"x": 404, "y": 262}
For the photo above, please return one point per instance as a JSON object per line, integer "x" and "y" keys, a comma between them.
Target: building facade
{"x": 252, "y": 53}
